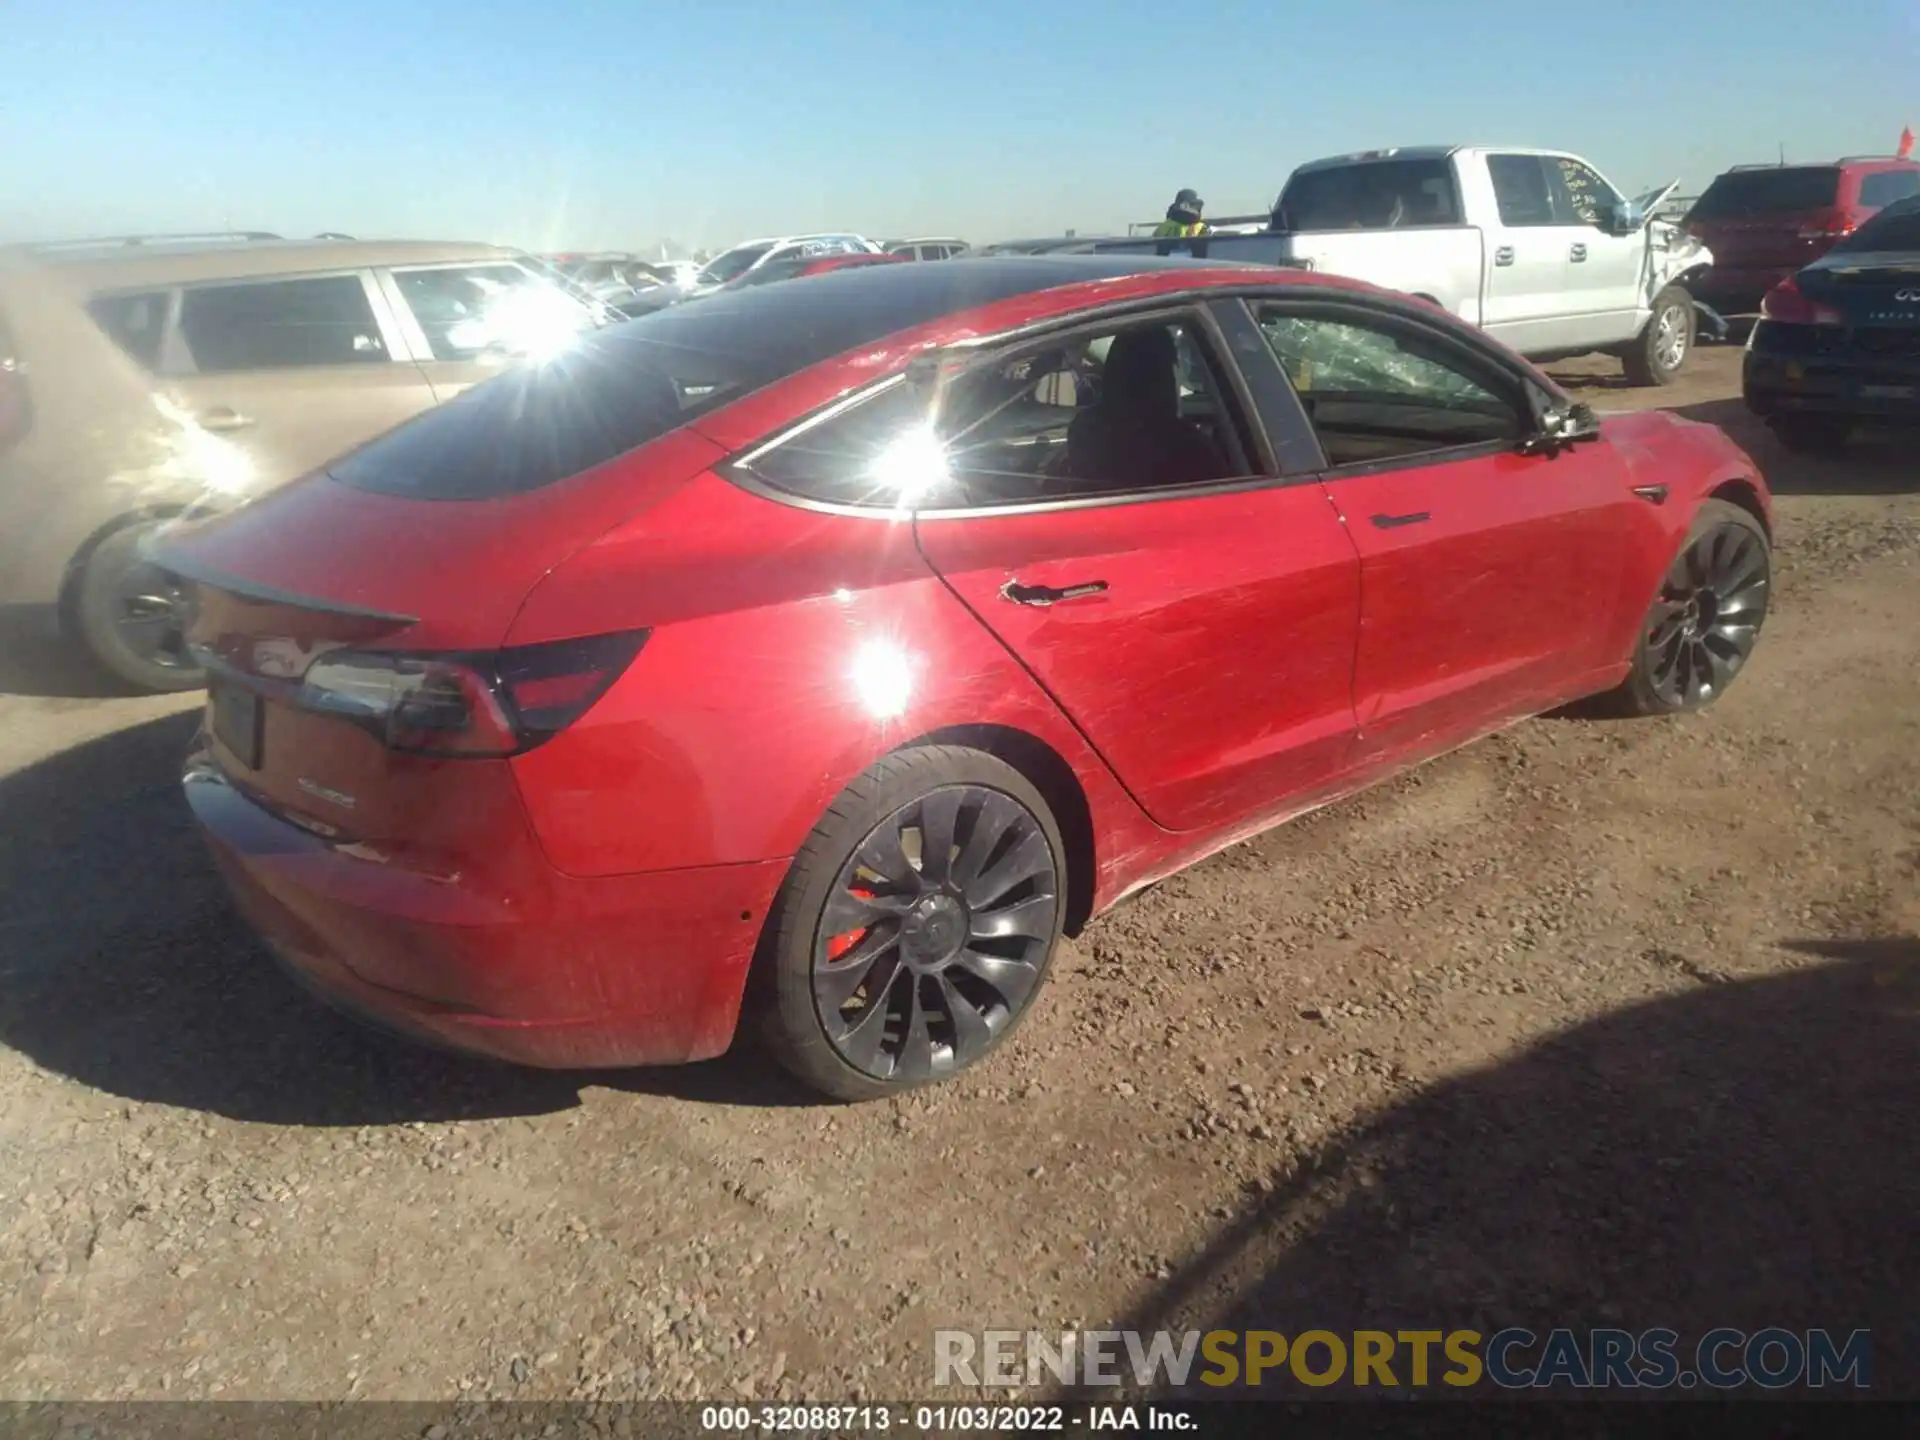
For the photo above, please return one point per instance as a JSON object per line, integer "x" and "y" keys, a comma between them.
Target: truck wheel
{"x": 1661, "y": 350}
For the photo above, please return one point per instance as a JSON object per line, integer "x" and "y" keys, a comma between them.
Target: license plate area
{"x": 238, "y": 722}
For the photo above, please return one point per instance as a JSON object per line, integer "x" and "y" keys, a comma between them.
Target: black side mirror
{"x": 1561, "y": 427}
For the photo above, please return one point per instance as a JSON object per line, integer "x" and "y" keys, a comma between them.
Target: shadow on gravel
{"x": 34, "y": 663}
{"x": 123, "y": 967}
{"x": 1739, "y": 1155}
{"x": 1876, "y": 462}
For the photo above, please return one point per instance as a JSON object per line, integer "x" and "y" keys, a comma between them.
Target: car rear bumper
{"x": 1738, "y": 289}
{"x": 1863, "y": 387}
{"x": 576, "y": 973}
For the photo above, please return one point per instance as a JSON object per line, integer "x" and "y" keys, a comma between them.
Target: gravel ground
{"x": 1590, "y": 1023}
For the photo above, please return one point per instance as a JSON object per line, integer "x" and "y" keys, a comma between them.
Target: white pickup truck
{"x": 1533, "y": 246}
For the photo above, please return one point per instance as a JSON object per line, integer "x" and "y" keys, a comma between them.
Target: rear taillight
{"x": 1829, "y": 225}
{"x": 469, "y": 705}
{"x": 1786, "y": 305}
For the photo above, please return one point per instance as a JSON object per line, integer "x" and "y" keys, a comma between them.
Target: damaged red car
{"x": 810, "y": 659}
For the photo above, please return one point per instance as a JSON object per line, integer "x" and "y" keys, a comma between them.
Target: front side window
{"x": 276, "y": 324}
{"x": 1374, "y": 394}
{"x": 1520, "y": 190}
{"x": 1136, "y": 409}
{"x": 471, "y": 310}
{"x": 1588, "y": 198}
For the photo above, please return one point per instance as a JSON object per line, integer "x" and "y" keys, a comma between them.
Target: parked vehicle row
{"x": 1838, "y": 342}
{"x": 141, "y": 382}
{"x": 1536, "y": 247}
{"x": 611, "y": 708}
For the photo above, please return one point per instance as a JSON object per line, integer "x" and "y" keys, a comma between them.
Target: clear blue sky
{"x": 608, "y": 124}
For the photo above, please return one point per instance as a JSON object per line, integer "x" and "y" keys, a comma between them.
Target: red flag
{"x": 1906, "y": 143}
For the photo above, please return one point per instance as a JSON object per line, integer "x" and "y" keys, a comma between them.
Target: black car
{"x": 1839, "y": 342}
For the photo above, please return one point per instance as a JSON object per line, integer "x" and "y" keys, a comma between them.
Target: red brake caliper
{"x": 841, "y": 944}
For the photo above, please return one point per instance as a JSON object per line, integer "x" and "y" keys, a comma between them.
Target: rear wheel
{"x": 131, "y": 615}
{"x": 1811, "y": 434}
{"x": 917, "y": 925}
{"x": 1702, "y": 625}
{"x": 1659, "y": 353}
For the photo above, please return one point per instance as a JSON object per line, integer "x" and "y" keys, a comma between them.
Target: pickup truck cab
{"x": 1536, "y": 247}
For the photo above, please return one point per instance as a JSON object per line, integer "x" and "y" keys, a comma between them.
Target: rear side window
{"x": 1375, "y": 194}
{"x": 469, "y": 310}
{"x": 1756, "y": 194}
{"x": 539, "y": 423}
{"x": 136, "y": 323}
{"x": 1134, "y": 410}
{"x": 1883, "y": 187}
{"x": 280, "y": 324}
{"x": 1521, "y": 189}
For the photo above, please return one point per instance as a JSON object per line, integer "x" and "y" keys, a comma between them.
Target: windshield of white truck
{"x": 1370, "y": 195}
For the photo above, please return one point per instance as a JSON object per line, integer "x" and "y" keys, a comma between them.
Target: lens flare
{"x": 882, "y": 675}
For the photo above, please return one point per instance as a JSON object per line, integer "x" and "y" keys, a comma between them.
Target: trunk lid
{"x": 424, "y": 542}
{"x": 1877, "y": 294}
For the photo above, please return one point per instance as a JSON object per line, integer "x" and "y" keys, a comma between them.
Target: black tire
{"x": 1811, "y": 434}
{"x": 1688, "y": 651}
{"x": 963, "y": 1016}
{"x": 147, "y": 654}
{"x": 1660, "y": 352}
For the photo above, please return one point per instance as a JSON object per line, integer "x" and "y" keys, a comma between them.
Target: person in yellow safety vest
{"x": 1183, "y": 217}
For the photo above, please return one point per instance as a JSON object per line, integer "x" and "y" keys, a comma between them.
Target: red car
{"x": 1764, "y": 222}
{"x": 823, "y": 652}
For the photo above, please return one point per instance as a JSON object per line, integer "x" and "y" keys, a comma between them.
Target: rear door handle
{"x": 1577, "y": 254}
{"x": 1043, "y": 595}
{"x": 1503, "y": 256}
{"x": 224, "y": 417}
{"x": 1652, "y": 494}
{"x": 1391, "y": 522}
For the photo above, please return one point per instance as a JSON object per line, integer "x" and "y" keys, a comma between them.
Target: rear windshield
{"x": 634, "y": 381}
{"x": 1371, "y": 195}
{"x": 541, "y": 422}
{"x": 1895, "y": 228}
{"x": 732, "y": 263}
{"x": 1753, "y": 194}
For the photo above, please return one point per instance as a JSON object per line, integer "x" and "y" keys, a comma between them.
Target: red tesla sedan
{"x": 822, "y": 653}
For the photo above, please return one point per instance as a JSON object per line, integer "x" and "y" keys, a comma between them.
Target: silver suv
{"x": 145, "y": 379}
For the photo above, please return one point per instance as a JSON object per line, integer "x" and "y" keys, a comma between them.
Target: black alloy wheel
{"x": 1702, "y": 626}
{"x": 916, "y": 926}
{"x": 935, "y": 935}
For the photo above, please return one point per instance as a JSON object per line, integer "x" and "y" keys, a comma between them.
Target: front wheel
{"x": 1660, "y": 352}
{"x": 1702, "y": 625}
{"x": 916, "y": 927}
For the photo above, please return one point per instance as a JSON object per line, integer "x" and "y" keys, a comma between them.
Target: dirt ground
{"x": 1590, "y": 1023}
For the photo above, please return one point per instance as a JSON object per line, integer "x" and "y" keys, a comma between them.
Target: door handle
{"x": 223, "y": 417}
{"x": 1043, "y": 595}
{"x": 1577, "y": 254}
{"x": 1652, "y": 494}
{"x": 1503, "y": 256}
{"x": 1391, "y": 522}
